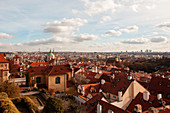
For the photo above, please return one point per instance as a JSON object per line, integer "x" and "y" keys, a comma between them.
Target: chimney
{"x": 145, "y": 96}
{"x": 96, "y": 69}
{"x": 159, "y": 96}
{"x": 99, "y": 108}
{"x": 102, "y": 81}
{"x": 119, "y": 96}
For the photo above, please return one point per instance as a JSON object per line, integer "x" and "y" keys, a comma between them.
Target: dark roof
{"x": 160, "y": 85}
{"x": 119, "y": 83}
{"x": 49, "y": 70}
{"x": 14, "y": 68}
{"x": 92, "y": 103}
{"x": 107, "y": 106}
{"x": 153, "y": 102}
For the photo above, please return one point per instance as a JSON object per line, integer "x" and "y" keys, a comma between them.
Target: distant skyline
{"x": 85, "y": 25}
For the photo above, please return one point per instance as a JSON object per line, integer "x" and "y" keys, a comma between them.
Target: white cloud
{"x": 5, "y": 36}
{"x": 154, "y": 33}
{"x": 105, "y": 19}
{"x": 136, "y": 41}
{"x": 130, "y": 29}
{"x": 159, "y": 39}
{"x": 99, "y": 6}
{"x": 113, "y": 32}
{"x": 151, "y": 6}
{"x": 165, "y": 24}
{"x": 135, "y": 7}
{"x": 84, "y": 37}
{"x": 52, "y": 40}
{"x": 63, "y": 27}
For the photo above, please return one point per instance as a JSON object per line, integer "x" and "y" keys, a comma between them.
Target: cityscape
{"x": 84, "y": 56}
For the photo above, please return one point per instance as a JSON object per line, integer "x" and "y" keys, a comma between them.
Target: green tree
{"x": 27, "y": 74}
{"x": 53, "y": 105}
{"x": 10, "y": 88}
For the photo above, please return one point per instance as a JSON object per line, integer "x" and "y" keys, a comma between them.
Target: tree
{"x": 10, "y": 88}
{"x": 53, "y": 105}
{"x": 27, "y": 74}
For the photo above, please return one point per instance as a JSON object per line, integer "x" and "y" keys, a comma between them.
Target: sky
{"x": 84, "y": 25}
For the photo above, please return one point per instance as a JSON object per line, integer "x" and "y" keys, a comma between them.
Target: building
{"x": 4, "y": 67}
{"x": 53, "y": 77}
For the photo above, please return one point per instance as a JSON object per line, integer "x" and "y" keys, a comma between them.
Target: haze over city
{"x": 84, "y": 25}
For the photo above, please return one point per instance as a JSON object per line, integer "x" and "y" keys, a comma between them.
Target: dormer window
{"x": 93, "y": 90}
{"x": 110, "y": 111}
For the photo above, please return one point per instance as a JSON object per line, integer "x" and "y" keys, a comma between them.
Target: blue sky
{"x": 84, "y": 25}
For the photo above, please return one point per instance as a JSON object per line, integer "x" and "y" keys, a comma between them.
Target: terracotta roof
{"x": 120, "y": 82}
{"x": 87, "y": 88}
{"x": 2, "y": 59}
{"x": 39, "y": 63}
{"x": 160, "y": 85}
{"x": 49, "y": 70}
{"x": 3, "y": 54}
{"x": 14, "y": 68}
{"x": 90, "y": 75}
{"x": 107, "y": 106}
{"x": 153, "y": 102}
{"x": 92, "y": 103}
{"x": 142, "y": 74}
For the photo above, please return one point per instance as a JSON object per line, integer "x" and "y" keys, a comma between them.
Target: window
{"x": 5, "y": 73}
{"x": 38, "y": 80}
{"x": 67, "y": 77}
{"x": 5, "y": 65}
{"x": 57, "y": 80}
{"x": 2, "y": 65}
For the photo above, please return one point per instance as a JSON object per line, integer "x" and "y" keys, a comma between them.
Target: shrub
{"x": 53, "y": 105}
{"x": 6, "y": 105}
{"x": 11, "y": 89}
{"x": 27, "y": 102}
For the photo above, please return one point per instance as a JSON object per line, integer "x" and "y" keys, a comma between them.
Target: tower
{"x": 16, "y": 59}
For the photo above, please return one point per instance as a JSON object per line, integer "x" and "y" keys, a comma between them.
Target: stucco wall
{"x": 53, "y": 85}
{"x": 132, "y": 91}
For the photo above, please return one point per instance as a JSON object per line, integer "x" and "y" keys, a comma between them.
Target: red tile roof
{"x": 14, "y": 68}
{"x": 92, "y": 103}
{"x": 107, "y": 106}
{"x": 39, "y": 63}
{"x": 120, "y": 82}
{"x": 49, "y": 70}
{"x": 153, "y": 102}
{"x": 160, "y": 85}
{"x": 2, "y": 59}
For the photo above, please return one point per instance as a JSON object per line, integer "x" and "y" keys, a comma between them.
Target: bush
{"x": 6, "y": 105}
{"x": 27, "y": 102}
{"x": 53, "y": 105}
{"x": 11, "y": 89}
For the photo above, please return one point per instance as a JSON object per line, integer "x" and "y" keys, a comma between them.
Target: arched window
{"x": 38, "y": 80}
{"x": 67, "y": 77}
{"x": 57, "y": 80}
